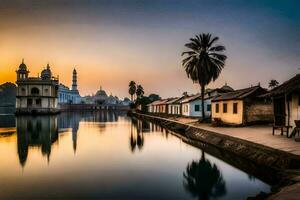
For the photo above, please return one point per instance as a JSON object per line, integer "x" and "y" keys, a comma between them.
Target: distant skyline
{"x": 111, "y": 42}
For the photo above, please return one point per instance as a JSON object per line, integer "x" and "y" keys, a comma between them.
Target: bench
{"x": 282, "y": 128}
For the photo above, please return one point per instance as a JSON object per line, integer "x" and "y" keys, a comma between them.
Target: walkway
{"x": 257, "y": 134}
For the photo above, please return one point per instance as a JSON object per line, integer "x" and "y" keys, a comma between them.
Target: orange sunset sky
{"x": 111, "y": 43}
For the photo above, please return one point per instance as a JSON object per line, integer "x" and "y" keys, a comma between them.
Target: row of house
{"x": 245, "y": 106}
{"x": 187, "y": 105}
{"x": 234, "y": 107}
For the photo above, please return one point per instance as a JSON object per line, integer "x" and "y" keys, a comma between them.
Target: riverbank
{"x": 285, "y": 163}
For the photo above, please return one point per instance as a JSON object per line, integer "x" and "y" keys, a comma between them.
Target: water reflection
{"x": 137, "y": 129}
{"x": 93, "y": 148}
{"x": 39, "y": 132}
{"x": 203, "y": 180}
{"x": 42, "y": 131}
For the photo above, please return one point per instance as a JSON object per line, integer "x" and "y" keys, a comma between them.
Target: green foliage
{"x": 154, "y": 97}
{"x": 273, "y": 83}
{"x": 139, "y": 91}
{"x": 204, "y": 61}
{"x": 132, "y": 89}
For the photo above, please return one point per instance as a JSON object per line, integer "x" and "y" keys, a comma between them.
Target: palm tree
{"x": 132, "y": 89}
{"x": 273, "y": 83}
{"x": 139, "y": 91}
{"x": 204, "y": 180}
{"x": 204, "y": 61}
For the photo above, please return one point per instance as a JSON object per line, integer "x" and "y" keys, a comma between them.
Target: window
{"x": 208, "y": 107}
{"x": 299, "y": 100}
{"x": 197, "y": 108}
{"x": 235, "y": 108}
{"x": 29, "y": 102}
{"x": 224, "y": 107}
{"x": 38, "y": 102}
{"x": 23, "y": 91}
{"x": 217, "y": 108}
{"x": 35, "y": 91}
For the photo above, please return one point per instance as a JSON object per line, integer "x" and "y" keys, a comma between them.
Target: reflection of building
{"x": 65, "y": 95}
{"x": 38, "y": 132}
{"x": 70, "y": 120}
{"x": 36, "y": 94}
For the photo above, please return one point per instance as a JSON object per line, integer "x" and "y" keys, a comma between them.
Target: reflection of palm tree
{"x": 132, "y": 140}
{"x": 204, "y": 180}
{"x": 136, "y": 135}
{"x": 140, "y": 140}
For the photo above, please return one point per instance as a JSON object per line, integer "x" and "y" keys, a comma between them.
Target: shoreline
{"x": 286, "y": 166}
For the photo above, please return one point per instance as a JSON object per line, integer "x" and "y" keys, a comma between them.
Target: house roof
{"x": 159, "y": 102}
{"x": 177, "y": 100}
{"x": 287, "y": 87}
{"x": 240, "y": 94}
{"x": 195, "y": 97}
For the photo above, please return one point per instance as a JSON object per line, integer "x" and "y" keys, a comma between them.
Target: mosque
{"x": 36, "y": 95}
{"x": 67, "y": 96}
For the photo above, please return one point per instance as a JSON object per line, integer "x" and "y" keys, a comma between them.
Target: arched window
{"x": 35, "y": 91}
{"x": 23, "y": 90}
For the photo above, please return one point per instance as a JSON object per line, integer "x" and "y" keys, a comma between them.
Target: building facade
{"x": 67, "y": 96}
{"x": 286, "y": 102}
{"x": 242, "y": 107}
{"x": 36, "y": 95}
{"x": 191, "y": 107}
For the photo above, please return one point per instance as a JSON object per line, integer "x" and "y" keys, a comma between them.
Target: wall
{"x": 259, "y": 113}
{"x": 174, "y": 109}
{"x": 294, "y": 110}
{"x": 229, "y": 117}
{"x": 191, "y": 108}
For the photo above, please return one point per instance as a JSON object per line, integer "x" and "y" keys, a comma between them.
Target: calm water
{"x": 110, "y": 156}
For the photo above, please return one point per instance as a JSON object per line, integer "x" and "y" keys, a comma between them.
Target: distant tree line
{"x": 138, "y": 99}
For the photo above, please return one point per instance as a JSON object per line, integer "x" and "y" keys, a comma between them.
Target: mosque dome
{"x": 101, "y": 93}
{"x": 46, "y": 73}
{"x": 22, "y": 66}
{"x": 227, "y": 88}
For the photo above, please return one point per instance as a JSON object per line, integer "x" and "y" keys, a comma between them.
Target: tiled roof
{"x": 288, "y": 86}
{"x": 239, "y": 94}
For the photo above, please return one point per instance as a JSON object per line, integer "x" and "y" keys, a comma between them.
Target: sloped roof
{"x": 240, "y": 94}
{"x": 289, "y": 86}
{"x": 195, "y": 97}
{"x": 159, "y": 102}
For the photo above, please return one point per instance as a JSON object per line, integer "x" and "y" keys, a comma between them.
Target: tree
{"x": 154, "y": 97}
{"x": 204, "y": 180}
{"x": 139, "y": 91}
{"x": 204, "y": 61}
{"x": 132, "y": 89}
{"x": 273, "y": 83}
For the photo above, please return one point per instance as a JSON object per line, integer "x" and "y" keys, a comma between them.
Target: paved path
{"x": 257, "y": 134}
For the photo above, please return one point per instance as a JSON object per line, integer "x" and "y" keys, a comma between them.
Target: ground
{"x": 260, "y": 134}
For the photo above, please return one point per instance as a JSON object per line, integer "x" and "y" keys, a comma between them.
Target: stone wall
{"x": 259, "y": 113}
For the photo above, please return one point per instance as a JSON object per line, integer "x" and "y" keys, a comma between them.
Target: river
{"x": 109, "y": 155}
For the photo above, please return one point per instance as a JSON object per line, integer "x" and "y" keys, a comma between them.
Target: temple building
{"x": 36, "y": 95}
{"x": 67, "y": 96}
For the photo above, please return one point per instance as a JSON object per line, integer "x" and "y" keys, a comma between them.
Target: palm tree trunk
{"x": 202, "y": 101}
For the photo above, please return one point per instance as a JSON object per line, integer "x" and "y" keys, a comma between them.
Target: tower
{"x": 22, "y": 72}
{"x": 74, "y": 82}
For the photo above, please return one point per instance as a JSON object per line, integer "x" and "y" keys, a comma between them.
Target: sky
{"x": 111, "y": 42}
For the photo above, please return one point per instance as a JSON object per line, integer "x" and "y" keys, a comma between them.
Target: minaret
{"x": 22, "y": 72}
{"x": 74, "y": 82}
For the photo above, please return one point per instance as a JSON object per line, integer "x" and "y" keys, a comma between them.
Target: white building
{"x": 191, "y": 106}
{"x": 67, "y": 96}
{"x": 36, "y": 95}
